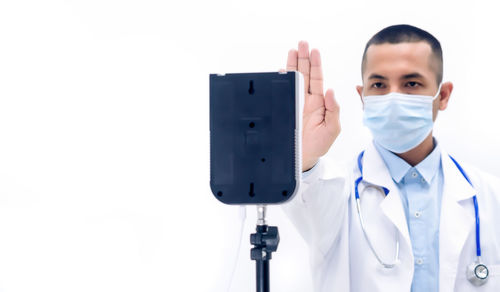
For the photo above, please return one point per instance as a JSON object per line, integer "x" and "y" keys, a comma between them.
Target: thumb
{"x": 331, "y": 104}
{"x": 332, "y": 110}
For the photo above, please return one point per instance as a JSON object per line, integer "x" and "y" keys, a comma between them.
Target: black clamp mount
{"x": 265, "y": 242}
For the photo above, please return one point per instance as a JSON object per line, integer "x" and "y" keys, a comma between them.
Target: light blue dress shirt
{"x": 421, "y": 189}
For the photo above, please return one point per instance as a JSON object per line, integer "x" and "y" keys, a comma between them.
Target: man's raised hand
{"x": 321, "y": 124}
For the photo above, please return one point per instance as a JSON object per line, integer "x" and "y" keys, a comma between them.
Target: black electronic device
{"x": 255, "y": 132}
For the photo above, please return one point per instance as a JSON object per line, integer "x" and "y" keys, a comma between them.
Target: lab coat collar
{"x": 374, "y": 169}
{"x": 461, "y": 189}
{"x": 456, "y": 223}
{"x": 375, "y": 172}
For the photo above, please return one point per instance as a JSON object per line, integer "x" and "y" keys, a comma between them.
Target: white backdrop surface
{"x": 104, "y": 141}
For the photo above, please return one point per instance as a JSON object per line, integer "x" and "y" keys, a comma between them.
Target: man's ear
{"x": 444, "y": 98}
{"x": 359, "y": 89}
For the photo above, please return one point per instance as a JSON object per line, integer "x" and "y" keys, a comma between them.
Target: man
{"x": 415, "y": 229}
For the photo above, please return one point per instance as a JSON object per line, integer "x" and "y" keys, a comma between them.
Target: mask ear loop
{"x": 438, "y": 92}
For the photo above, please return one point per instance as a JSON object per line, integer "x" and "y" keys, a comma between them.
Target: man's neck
{"x": 419, "y": 153}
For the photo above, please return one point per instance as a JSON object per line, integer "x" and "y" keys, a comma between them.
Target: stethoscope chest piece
{"x": 477, "y": 273}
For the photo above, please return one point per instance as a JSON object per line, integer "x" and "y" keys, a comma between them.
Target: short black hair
{"x": 404, "y": 33}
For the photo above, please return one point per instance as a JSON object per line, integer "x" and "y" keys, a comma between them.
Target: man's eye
{"x": 413, "y": 84}
{"x": 377, "y": 85}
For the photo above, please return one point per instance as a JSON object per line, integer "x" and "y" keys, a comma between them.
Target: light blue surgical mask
{"x": 399, "y": 122}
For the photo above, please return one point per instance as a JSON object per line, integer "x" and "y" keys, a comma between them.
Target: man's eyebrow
{"x": 376, "y": 76}
{"x": 412, "y": 75}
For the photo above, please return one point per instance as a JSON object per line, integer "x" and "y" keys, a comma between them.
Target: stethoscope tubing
{"x": 476, "y": 208}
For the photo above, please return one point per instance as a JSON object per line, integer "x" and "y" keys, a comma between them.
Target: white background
{"x": 104, "y": 141}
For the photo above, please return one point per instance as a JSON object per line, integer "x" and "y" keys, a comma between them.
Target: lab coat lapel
{"x": 375, "y": 172}
{"x": 456, "y": 223}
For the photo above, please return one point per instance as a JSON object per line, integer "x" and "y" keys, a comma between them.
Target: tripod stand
{"x": 265, "y": 241}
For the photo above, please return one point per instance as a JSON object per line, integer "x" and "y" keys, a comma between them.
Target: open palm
{"x": 321, "y": 124}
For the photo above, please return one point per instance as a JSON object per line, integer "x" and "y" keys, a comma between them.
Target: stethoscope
{"x": 477, "y": 272}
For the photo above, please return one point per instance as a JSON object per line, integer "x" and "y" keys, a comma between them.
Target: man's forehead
{"x": 413, "y": 56}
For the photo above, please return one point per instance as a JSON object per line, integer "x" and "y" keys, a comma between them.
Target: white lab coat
{"x": 324, "y": 212}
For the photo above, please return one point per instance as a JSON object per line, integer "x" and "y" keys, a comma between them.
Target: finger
{"x": 332, "y": 111}
{"x": 291, "y": 63}
{"x": 316, "y": 81}
{"x": 282, "y": 70}
{"x": 303, "y": 63}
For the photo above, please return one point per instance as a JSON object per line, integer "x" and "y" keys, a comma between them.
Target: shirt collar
{"x": 398, "y": 168}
